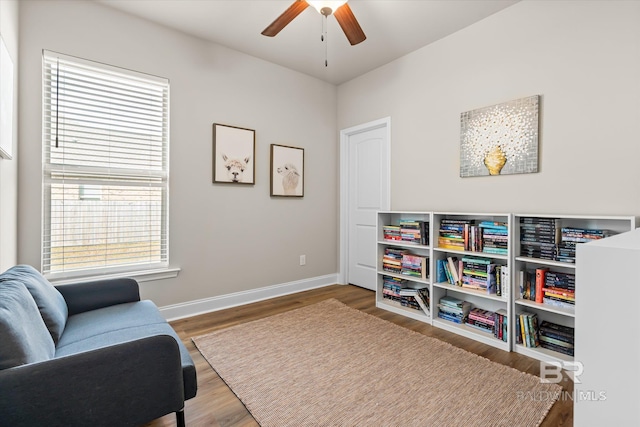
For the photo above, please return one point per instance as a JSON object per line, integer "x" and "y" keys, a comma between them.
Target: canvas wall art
{"x": 233, "y": 154}
{"x": 501, "y": 139}
{"x": 287, "y": 171}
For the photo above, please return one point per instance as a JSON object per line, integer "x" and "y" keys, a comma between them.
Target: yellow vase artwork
{"x": 495, "y": 160}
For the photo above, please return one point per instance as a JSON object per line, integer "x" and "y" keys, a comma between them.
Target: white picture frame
{"x": 234, "y": 153}
{"x": 287, "y": 171}
{"x": 6, "y": 102}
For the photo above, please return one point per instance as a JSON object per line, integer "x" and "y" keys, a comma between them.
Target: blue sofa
{"x": 88, "y": 354}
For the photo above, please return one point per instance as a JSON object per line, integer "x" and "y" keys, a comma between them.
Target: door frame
{"x": 343, "y": 257}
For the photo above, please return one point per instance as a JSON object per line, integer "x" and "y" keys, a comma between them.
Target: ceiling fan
{"x": 339, "y": 9}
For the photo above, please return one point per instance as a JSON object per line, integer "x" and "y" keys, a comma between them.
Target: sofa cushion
{"x": 114, "y": 337}
{"x": 134, "y": 333}
{"x": 118, "y": 324}
{"x": 114, "y": 318}
{"x": 49, "y": 300}
{"x": 23, "y": 334}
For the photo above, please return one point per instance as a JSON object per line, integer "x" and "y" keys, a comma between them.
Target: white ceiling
{"x": 393, "y": 29}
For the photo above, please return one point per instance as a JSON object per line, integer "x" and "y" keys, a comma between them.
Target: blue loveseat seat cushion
{"x": 118, "y": 324}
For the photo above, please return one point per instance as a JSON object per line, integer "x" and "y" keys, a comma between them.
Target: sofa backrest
{"x": 23, "y": 333}
{"x": 49, "y": 300}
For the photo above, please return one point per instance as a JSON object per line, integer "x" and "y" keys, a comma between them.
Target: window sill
{"x": 140, "y": 276}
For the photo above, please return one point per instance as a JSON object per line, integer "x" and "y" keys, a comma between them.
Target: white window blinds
{"x": 105, "y": 168}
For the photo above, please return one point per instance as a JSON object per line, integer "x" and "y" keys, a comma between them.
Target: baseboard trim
{"x": 207, "y": 305}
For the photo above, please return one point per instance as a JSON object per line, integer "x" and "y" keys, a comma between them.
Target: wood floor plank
{"x": 217, "y": 406}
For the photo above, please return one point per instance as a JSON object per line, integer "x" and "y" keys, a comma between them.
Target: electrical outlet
{"x": 303, "y": 259}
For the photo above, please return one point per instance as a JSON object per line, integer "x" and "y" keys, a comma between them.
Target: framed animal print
{"x": 234, "y": 150}
{"x": 287, "y": 171}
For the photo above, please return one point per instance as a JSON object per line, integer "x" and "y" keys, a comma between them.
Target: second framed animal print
{"x": 287, "y": 171}
{"x": 234, "y": 152}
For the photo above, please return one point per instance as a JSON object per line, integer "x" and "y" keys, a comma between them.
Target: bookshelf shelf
{"x": 545, "y": 262}
{"x": 471, "y": 253}
{"x": 402, "y": 276}
{"x": 460, "y": 289}
{"x": 541, "y": 353}
{"x": 391, "y": 254}
{"x": 471, "y": 332}
{"x": 401, "y": 244}
{"x": 404, "y": 311}
{"x": 571, "y": 312}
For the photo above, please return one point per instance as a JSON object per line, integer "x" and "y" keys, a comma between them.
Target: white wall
{"x": 9, "y": 168}
{"x": 225, "y": 238}
{"x": 583, "y": 57}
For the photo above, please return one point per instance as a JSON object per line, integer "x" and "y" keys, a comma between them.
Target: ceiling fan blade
{"x": 349, "y": 24}
{"x": 287, "y": 16}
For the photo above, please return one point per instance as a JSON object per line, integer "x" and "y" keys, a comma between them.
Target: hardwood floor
{"x": 215, "y": 404}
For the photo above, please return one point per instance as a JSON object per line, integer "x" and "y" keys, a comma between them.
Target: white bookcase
{"x": 513, "y": 262}
{"x": 478, "y": 299}
{"x": 424, "y": 250}
{"x": 564, "y": 316}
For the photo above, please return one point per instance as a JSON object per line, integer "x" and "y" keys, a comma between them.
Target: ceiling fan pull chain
{"x": 324, "y": 38}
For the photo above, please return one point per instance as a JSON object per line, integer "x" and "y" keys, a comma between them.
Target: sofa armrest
{"x": 85, "y": 296}
{"x": 126, "y": 384}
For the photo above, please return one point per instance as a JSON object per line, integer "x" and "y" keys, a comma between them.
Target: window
{"x": 105, "y": 168}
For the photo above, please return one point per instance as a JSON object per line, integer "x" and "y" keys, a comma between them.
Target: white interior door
{"x": 366, "y": 149}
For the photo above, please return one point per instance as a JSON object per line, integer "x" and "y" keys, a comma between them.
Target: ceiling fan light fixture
{"x": 322, "y": 5}
{"x": 338, "y": 8}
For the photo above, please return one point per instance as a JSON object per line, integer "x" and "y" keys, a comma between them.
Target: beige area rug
{"x": 331, "y": 365}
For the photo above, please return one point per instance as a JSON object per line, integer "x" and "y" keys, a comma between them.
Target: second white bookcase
{"x": 478, "y": 299}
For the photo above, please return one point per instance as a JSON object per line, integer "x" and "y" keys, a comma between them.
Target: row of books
{"x": 549, "y": 287}
{"x": 421, "y": 296}
{"x": 582, "y": 235}
{"x": 475, "y": 273}
{"x": 528, "y": 332}
{"x": 415, "y": 266}
{"x": 481, "y": 319}
{"x": 527, "y": 329}
{"x": 559, "y": 289}
{"x": 539, "y": 237}
{"x": 546, "y": 335}
{"x": 466, "y": 235}
{"x": 407, "y": 230}
{"x": 461, "y": 312}
{"x": 546, "y": 238}
{"x": 453, "y": 309}
{"x": 401, "y": 292}
{"x": 501, "y": 330}
{"x": 495, "y": 237}
{"x": 392, "y": 260}
{"x": 557, "y": 337}
{"x": 455, "y": 234}
{"x": 401, "y": 261}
